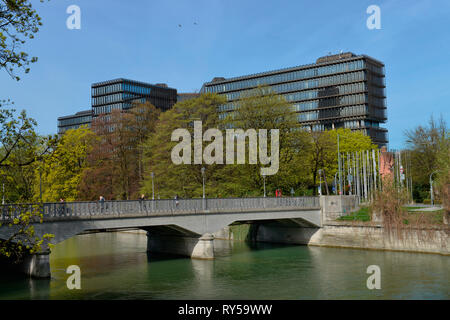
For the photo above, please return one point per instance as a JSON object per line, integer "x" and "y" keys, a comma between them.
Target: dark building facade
{"x": 74, "y": 121}
{"x": 187, "y": 96}
{"x": 119, "y": 94}
{"x": 338, "y": 91}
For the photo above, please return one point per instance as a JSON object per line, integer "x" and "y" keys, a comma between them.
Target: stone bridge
{"x": 185, "y": 226}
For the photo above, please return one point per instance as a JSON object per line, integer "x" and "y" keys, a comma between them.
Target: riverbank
{"x": 341, "y": 234}
{"x": 347, "y": 234}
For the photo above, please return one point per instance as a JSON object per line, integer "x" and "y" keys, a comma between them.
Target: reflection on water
{"x": 117, "y": 266}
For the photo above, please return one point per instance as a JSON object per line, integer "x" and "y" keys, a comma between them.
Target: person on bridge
{"x": 62, "y": 208}
{"x": 278, "y": 193}
{"x": 102, "y": 202}
{"x": 141, "y": 201}
{"x": 176, "y": 200}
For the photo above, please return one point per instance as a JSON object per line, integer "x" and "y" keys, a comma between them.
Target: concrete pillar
{"x": 194, "y": 247}
{"x": 36, "y": 265}
{"x": 285, "y": 235}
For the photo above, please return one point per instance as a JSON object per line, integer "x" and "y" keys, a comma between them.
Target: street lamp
{"x": 264, "y": 179}
{"x": 204, "y": 197}
{"x": 431, "y": 188}
{"x": 40, "y": 184}
{"x": 339, "y": 165}
{"x": 320, "y": 179}
{"x": 152, "y": 174}
{"x": 335, "y": 183}
{"x": 3, "y": 192}
{"x": 203, "y": 176}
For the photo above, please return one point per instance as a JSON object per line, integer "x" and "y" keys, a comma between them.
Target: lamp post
{"x": 431, "y": 188}
{"x": 152, "y": 174}
{"x": 339, "y": 166}
{"x": 264, "y": 179}
{"x": 335, "y": 183}
{"x": 320, "y": 184}
{"x": 203, "y": 176}
{"x": 40, "y": 184}
{"x": 204, "y": 196}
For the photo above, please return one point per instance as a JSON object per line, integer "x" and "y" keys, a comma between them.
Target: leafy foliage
{"x": 18, "y": 22}
{"x": 184, "y": 180}
{"x": 429, "y": 148}
{"x": 24, "y": 239}
{"x": 20, "y": 149}
{"x": 302, "y": 153}
{"x": 61, "y": 171}
{"x": 114, "y": 165}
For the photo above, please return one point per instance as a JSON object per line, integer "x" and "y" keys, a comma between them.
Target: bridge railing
{"x": 96, "y": 209}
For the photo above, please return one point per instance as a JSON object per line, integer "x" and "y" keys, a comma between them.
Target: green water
{"x": 117, "y": 266}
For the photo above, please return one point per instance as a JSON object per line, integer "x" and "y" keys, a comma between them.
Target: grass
{"x": 411, "y": 208}
{"x": 433, "y": 217}
{"x": 363, "y": 214}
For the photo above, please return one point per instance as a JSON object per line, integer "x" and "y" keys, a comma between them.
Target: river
{"x": 117, "y": 266}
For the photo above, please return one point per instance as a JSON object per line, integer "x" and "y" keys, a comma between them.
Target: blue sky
{"x": 142, "y": 40}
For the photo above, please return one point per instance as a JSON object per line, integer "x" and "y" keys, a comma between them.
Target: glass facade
{"x": 121, "y": 93}
{"x": 75, "y": 121}
{"x": 341, "y": 91}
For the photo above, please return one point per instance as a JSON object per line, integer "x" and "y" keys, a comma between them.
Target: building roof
{"x": 326, "y": 60}
{"x": 78, "y": 114}
{"x": 119, "y": 80}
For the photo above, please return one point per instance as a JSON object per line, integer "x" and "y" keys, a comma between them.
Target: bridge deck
{"x": 117, "y": 209}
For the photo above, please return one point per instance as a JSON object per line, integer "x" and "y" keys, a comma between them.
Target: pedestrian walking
{"x": 141, "y": 201}
{"x": 102, "y": 203}
{"x": 62, "y": 207}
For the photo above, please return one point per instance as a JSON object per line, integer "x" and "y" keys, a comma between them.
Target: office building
{"x": 187, "y": 96}
{"x": 119, "y": 94}
{"x": 74, "y": 121}
{"x": 338, "y": 91}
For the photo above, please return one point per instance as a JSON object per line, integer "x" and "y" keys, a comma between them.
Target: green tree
{"x": 112, "y": 163}
{"x": 322, "y": 154}
{"x": 61, "y": 171}
{"x": 23, "y": 240}
{"x": 18, "y": 22}
{"x": 426, "y": 144}
{"x": 145, "y": 115}
{"x": 443, "y": 174}
{"x": 262, "y": 108}
{"x": 20, "y": 146}
{"x": 349, "y": 142}
{"x": 183, "y": 179}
